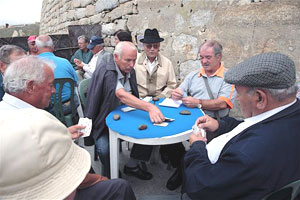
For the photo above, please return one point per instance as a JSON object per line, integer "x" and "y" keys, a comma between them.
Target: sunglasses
{"x": 149, "y": 46}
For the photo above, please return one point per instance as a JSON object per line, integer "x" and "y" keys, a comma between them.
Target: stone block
{"x": 187, "y": 67}
{"x": 123, "y": 1}
{"x": 84, "y": 21}
{"x": 108, "y": 29}
{"x": 186, "y": 44}
{"x": 102, "y": 5}
{"x": 123, "y": 9}
{"x": 80, "y": 13}
{"x": 71, "y": 15}
{"x": 201, "y": 18}
{"x": 90, "y": 10}
{"x": 96, "y": 19}
{"x": 84, "y": 3}
{"x": 76, "y": 3}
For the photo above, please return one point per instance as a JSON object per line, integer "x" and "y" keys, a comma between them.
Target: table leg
{"x": 114, "y": 154}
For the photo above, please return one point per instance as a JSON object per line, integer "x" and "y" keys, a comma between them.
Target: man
{"x": 83, "y": 53}
{"x": 47, "y": 164}
{"x": 194, "y": 93}
{"x": 63, "y": 68}
{"x": 97, "y": 47}
{"x": 8, "y": 53}
{"x": 114, "y": 83}
{"x": 155, "y": 73}
{"x": 31, "y": 45}
{"x": 255, "y": 156}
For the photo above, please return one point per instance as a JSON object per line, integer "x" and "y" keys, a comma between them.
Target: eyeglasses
{"x": 149, "y": 46}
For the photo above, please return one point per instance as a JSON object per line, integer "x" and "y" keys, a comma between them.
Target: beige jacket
{"x": 160, "y": 83}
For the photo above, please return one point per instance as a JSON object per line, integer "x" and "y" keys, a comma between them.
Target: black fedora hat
{"x": 151, "y": 36}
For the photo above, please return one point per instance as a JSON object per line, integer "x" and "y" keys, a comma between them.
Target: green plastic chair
{"x": 288, "y": 192}
{"x": 82, "y": 89}
{"x": 69, "y": 119}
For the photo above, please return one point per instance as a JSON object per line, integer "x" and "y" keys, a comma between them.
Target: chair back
{"x": 68, "y": 119}
{"x": 82, "y": 89}
{"x": 288, "y": 192}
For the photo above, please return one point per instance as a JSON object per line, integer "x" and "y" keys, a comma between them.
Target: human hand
{"x": 155, "y": 114}
{"x": 78, "y": 63}
{"x": 190, "y": 102}
{"x": 177, "y": 94}
{"x": 197, "y": 137}
{"x": 207, "y": 123}
{"x": 75, "y": 131}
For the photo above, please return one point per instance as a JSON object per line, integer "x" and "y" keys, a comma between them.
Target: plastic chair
{"x": 82, "y": 89}
{"x": 288, "y": 192}
{"x": 67, "y": 119}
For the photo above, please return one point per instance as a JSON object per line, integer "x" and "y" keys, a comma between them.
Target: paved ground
{"x": 144, "y": 189}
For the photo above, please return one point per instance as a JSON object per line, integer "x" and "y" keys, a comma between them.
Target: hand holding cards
{"x": 197, "y": 131}
{"x": 88, "y": 126}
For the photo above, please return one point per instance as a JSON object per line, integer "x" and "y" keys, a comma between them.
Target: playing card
{"x": 197, "y": 130}
{"x": 161, "y": 124}
{"x": 147, "y": 98}
{"x": 167, "y": 119}
{"x": 88, "y": 126}
{"x": 127, "y": 109}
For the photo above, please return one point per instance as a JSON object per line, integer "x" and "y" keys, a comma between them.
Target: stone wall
{"x": 243, "y": 27}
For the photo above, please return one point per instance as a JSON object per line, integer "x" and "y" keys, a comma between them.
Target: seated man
{"x": 8, "y": 53}
{"x": 53, "y": 166}
{"x": 83, "y": 53}
{"x": 63, "y": 69}
{"x": 114, "y": 83}
{"x": 255, "y": 156}
{"x": 86, "y": 71}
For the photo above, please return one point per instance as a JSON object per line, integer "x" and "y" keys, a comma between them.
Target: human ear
{"x": 261, "y": 99}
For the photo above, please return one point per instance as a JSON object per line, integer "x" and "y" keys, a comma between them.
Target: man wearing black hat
{"x": 259, "y": 154}
{"x": 154, "y": 72}
{"x": 96, "y": 45}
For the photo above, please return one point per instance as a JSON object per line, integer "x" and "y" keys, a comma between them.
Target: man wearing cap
{"x": 31, "y": 45}
{"x": 8, "y": 54}
{"x": 96, "y": 45}
{"x": 83, "y": 53}
{"x": 112, "y": 84}
{"x": 63, "y": 68}
{"x": 47, "y": 164}
{"x": 154, "y": 72}
{"x": 259, "y": 154}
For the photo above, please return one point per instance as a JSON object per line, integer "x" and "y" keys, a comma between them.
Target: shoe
{"x": 137, "y": 172}
{"x": 175, "y": 180}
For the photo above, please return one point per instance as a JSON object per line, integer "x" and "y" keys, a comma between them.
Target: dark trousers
{"x": 175, "y": 153}
{"x": 115, "y": 189}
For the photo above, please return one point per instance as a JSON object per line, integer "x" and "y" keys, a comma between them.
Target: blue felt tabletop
{"x": 130, "y": 121}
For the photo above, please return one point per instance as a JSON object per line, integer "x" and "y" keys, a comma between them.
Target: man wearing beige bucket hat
{"x": 40, "y": 161}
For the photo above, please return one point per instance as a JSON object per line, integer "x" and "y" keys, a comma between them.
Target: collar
{"x": 120, "y": 75}
{"x": 219, "y": 72}
{"x": 46, "y": 54}
{"x": 16, "y": 102}
{"x": 143, "y": 57}
{"x": 97, "y": 54}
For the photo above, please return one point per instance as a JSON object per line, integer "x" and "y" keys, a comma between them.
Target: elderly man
{"x": 114, "y": 83}
{"x": 8, "y": 53}
{"x": 63, "y": 68}
{"x": 83, "y": 53}
{"x": 206, "y": 89}
{"x": 47, "y": 164}
{"x": 155, "y": 73}
{"x": 31, "y": 45}
{"x": 97, "y": 47}
{"x": 28, "y": 83}
{"x": 255, "y": 156}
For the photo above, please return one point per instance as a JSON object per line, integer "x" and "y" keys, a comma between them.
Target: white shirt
{"x": 215, "y": 146}
{"x": 151, "y": 65}
{"x": 10, "y": 102}
{"x": 90, "y": 68}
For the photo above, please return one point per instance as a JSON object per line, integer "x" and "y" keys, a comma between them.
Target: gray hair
{"x": 40, "y": 42}
{"x": 29, "y": 68}
{"x": 217, "y": 47}
{"x": 279, "y": 94}
{"x": 84, "y": 37}
{"x": 7, "y": 50}
{"x": 119, "y": 47}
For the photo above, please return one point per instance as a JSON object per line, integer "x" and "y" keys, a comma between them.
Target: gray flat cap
{"x": 267, "y": 70}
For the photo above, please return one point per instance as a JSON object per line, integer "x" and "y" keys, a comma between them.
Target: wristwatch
{"x": 199, "y": 104}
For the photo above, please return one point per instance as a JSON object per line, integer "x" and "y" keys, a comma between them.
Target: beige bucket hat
{"x": 38, "y": 159}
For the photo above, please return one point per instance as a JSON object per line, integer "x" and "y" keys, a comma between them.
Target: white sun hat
{"x": 38, "y": 159}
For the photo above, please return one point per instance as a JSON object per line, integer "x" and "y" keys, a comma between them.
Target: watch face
{"x": 199, "y": 106}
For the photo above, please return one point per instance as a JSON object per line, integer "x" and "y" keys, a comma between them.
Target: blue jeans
{"x": 102, "y": 148}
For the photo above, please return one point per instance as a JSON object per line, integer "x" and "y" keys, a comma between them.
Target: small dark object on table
{"x": 143, "y": 127}
{"x": 185, "y": 112}
{"x": 116, "y": 117}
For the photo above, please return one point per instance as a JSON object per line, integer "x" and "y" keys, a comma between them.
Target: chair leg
{"x": 120, "y": 145}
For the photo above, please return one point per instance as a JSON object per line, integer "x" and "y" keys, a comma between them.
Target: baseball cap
{"x": 95, "y": 40}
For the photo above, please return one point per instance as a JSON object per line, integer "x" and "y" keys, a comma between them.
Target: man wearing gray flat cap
{"x": 260, "y": 154}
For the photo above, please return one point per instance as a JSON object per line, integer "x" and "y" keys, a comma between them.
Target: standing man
{"x": 8, "y": 53}
{"x": 155, "y": 73}
{"x": 96, "y": 46}
{"x": 206, "y": 89}
{"x": 63, "y": 68}
{"x": 83, "y": 53}
{"x": 255, "y": 156}
{"x": 31, "y": 45}
{"x": 113, "y": 83}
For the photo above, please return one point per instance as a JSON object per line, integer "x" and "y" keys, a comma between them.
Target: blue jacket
{"x": 259, "y": 160}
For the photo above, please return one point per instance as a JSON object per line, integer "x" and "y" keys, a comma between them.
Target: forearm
{"x": 213, "y": 104}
